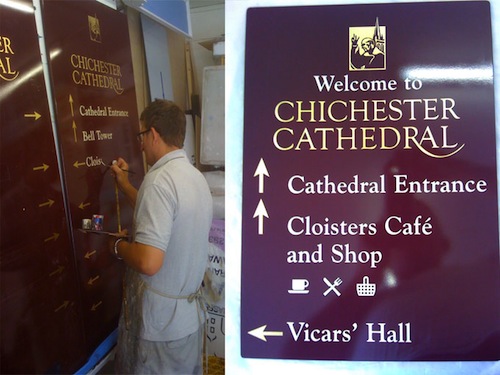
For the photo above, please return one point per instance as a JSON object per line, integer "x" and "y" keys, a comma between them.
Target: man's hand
{"x": 119, "y": 170}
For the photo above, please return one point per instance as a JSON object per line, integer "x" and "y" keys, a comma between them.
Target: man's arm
{"x": 143, "y": 258}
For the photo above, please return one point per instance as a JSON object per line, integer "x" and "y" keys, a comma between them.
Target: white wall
{"x": 207, "y": 24}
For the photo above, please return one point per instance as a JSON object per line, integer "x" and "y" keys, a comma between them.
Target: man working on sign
{"x": 161, "y": 324}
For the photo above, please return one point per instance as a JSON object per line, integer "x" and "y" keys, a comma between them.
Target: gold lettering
{"x": 300, "y": 110}
{"x": 409, "y": 136}
{"x": 428, "y": 136}
{"x": 96, "y": 73}
{"x": 305, "y": 138}
{"x": 330, "y": 114}
{"x": 384, "y": 138}
{"x": 5, "y": 66}
{"x": 7, "y": 72}
{"x": 5, "y": 45}
{"x": 370, "y": 137}
{"x": 277, "y": 111}
{"x": 352, "y": 138}
{"x": 275, "y": 139}
{"x": 366, "y": 137}
{"x": 363, "y": 110}
{"x": 323, "y": 131}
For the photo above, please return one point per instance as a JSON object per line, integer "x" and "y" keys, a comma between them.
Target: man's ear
{"x": 156, "y": 135}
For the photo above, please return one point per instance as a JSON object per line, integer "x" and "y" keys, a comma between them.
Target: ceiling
{"x": 203, "y": 3}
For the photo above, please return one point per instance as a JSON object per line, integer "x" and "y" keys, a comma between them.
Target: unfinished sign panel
{"x": 39, "y": 296}
{"x": 370, "y": 211}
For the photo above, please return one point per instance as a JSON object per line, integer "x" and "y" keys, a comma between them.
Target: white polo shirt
{"x": 173, "y": 213}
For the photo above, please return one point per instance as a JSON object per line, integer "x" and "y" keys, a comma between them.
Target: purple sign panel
{"x": 97, "y": 122}
{"x": 370, "y": 211}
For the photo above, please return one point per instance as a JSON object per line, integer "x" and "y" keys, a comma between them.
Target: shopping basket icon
{"x": 366, "y": 289}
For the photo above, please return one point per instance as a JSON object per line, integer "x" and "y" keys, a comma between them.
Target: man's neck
{"x": 164, "y": 150}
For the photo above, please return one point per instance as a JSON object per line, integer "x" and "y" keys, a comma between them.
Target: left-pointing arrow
{"x": 83, "y": 205}
{"x": 89, "y": 254}
{"x": 92, "y": 280}
{"x": 261, "y": 333}
{"x": 35, "y": 115}
{"x": 96, "y": 305}
{"x": 76, "y": 164}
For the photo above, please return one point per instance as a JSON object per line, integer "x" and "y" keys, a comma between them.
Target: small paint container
{"x": 86, "y": 224}
{"x": 97, "y": 222}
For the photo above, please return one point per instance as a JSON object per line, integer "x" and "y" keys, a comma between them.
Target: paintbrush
{"x": 124, "y": 170}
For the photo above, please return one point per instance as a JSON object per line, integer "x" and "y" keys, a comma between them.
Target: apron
{"x": 129, "y": 328}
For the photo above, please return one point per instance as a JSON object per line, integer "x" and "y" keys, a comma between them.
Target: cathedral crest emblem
{"x": 368, "y": 45}
{"x": 94, "y": 29}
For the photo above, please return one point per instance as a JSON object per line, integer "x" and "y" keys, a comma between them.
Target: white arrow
{"x": 261, "y": 171}
{"x": 261, "y": 333}
{"x": 260, "y": 212}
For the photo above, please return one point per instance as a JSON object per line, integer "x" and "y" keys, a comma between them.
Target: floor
{"x": 216, "y": 366}
{"x": 108, "y": 368}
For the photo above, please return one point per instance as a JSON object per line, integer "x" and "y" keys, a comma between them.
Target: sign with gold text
{"x": 370, "y": 210}
{"x": 97, "y": 121}
{"x": 40, "y": 319}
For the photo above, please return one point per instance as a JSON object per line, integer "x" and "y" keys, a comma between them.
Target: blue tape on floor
{"x": 102, "y": 350}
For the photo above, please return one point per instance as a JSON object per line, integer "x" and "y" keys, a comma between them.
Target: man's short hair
{"x": 168, "y": 119}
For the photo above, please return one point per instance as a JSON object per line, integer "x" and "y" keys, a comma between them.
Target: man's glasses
{"x": 140, "y": 134}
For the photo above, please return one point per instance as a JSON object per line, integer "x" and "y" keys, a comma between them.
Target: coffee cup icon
{"x": 299, "y": 286}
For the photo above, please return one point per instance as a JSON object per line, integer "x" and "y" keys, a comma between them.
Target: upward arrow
{"x": 71, "y": 105}
{"x": 261, "y": 171}
{"x": 260, "y": 212}
{"x": 74, "y": 130}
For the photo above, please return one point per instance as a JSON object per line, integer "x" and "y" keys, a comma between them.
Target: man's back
{"x": 174, "y": 214}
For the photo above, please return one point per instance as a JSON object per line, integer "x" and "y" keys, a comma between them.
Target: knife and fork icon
{"x": 332, "y": 286}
